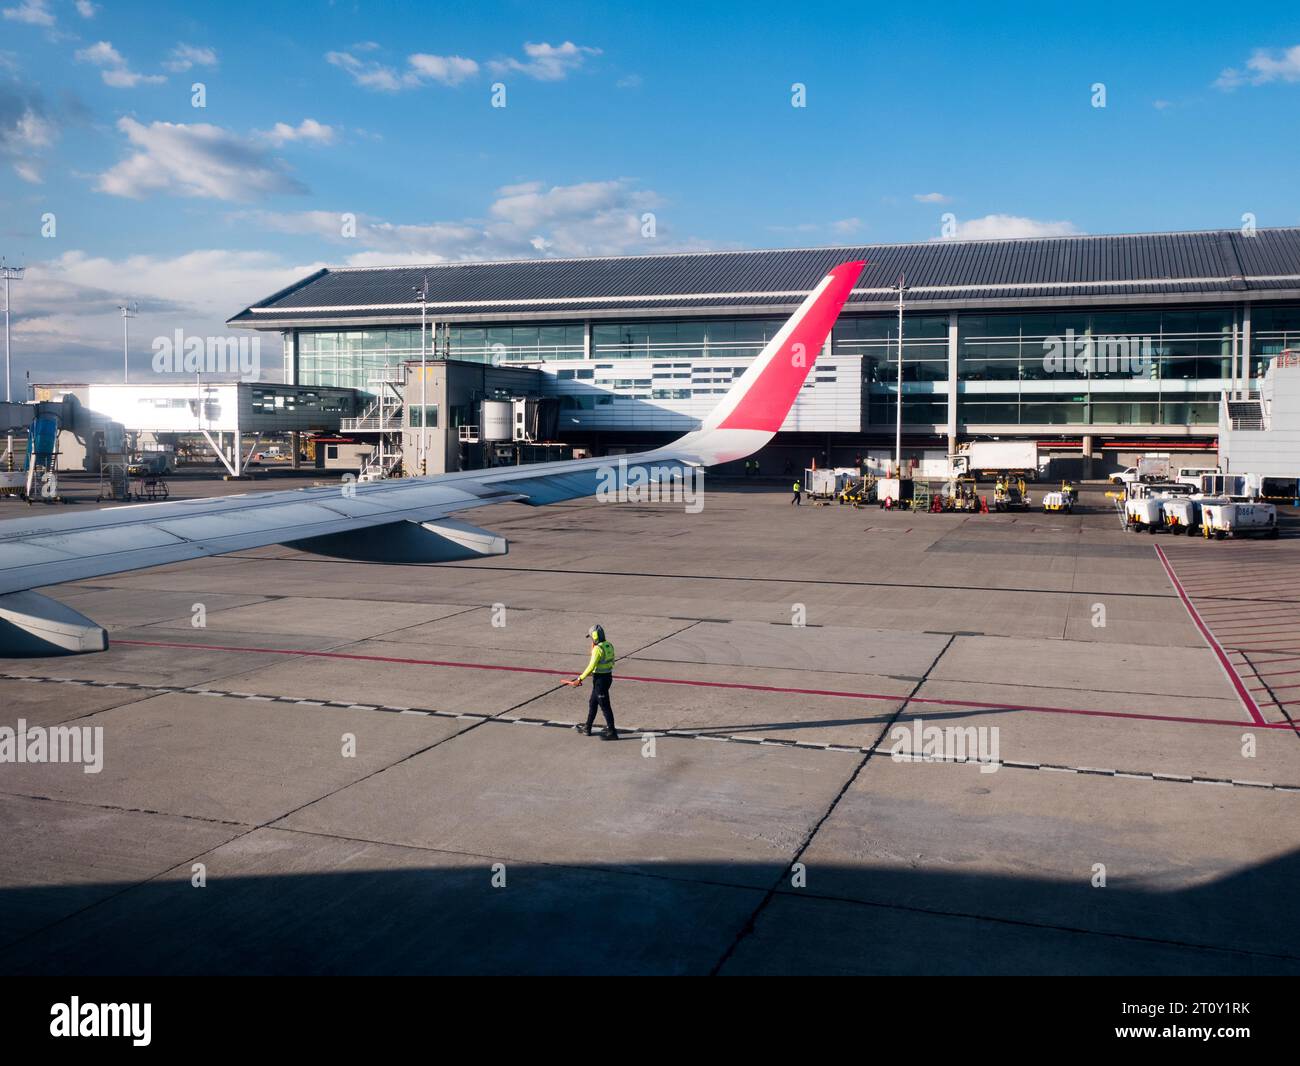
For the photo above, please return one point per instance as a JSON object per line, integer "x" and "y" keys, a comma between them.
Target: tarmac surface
{"x": 314, "y": 766}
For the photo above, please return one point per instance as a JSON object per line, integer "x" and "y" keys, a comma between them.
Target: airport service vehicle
{"x": 1222, "y": 518}
{"x": 894, "y": 491}
{"x": 152, "y": 464}
{"x": 993, "y": 457}
{"x": 1216, "y": 484}
{"x": 823, "y": 484}
{"x": 1149, "y": 468}
{"x": 1278, "y": 488}
{"x": 1191, "y": 475}
{"x": 858, "y": 491}
{"x": 397, "y": 520}
{"x": 1057, "y": 502}
{"x": 1143, "y": 504}
{"x": 1010, "y": 495}
{"x": 1182, "y": 514}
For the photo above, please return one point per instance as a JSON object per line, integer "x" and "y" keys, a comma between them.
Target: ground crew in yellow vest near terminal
{"x": 601, "y": 671}
{"x": 797, "y": 498}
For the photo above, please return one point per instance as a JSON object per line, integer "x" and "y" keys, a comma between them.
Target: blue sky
{"x": 383, "y": 112}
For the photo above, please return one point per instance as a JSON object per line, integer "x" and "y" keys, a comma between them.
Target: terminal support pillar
{"x": 952, "y": 383}
{"x": 1087, "y": 456}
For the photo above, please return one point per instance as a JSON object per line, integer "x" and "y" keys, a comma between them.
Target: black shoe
{"x": 609, "y": 734}
{"x": 583, "y": 730}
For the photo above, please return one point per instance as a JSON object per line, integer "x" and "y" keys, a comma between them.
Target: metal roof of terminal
{"x": 1212, "y": 264}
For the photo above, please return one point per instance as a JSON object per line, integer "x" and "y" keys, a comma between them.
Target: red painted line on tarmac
{"x": 1248, "y": 701}
{"x": 1284, "y": 625}
{"x": 934, "y": 701}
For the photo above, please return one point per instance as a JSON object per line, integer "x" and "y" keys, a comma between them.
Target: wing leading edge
{"x": 403, "y": 520}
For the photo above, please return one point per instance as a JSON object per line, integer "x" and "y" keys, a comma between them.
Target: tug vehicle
{"x": 1062, "y": 501}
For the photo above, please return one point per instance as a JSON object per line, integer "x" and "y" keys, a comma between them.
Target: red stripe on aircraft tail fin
{"x": 763, "y": 402}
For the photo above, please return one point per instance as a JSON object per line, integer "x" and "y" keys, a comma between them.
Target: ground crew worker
{"x": 601, "y": 671}
{"x": 797, "y": 499}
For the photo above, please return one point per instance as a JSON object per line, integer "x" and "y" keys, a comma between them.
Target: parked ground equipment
{"x": 1144, "y": 502}
{"x": 994, "y": 457}
{"x": 858, "y": 491}
{"x": 1182, "y": 514}
{"x": 1009, "y": 495}
{"x": 1222, "y": 518}
{"x": 894, "y": 491}
{"x": 1057, "y": 503}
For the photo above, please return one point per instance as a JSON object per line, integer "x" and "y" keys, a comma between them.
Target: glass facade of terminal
{"x": 1156, "y": 367}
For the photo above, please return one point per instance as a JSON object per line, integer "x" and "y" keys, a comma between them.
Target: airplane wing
{"x": 405, "y": 520}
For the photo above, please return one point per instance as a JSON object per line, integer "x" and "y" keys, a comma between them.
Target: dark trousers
{"x": 796, "y": 500}
{"x": 600, "y": 684}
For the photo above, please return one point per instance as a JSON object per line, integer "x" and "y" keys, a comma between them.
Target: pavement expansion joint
{"x": 685, "y": 734}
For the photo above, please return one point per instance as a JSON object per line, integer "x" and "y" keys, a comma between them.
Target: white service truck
{"x": 1149, "y": 468}
{"x": 993, "y": 457}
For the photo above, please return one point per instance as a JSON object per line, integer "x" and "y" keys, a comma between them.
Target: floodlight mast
{"x": 129, "y": 310}
{"x": 9, "y": 274}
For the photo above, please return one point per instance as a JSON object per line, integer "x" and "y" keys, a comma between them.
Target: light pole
{"x": 128, "y": 310}
{"x": 9, "y": 274}
{"x": 898, "y": 426}
{"x": 423, "y": 291}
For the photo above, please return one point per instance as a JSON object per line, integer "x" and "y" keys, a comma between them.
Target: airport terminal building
{"x": 1096, "y": 345}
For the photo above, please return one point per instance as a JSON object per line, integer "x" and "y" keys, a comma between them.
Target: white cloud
{"x": 185, "y": 56}
{"x": 114, "y": 69}
{"x": 421, "y": 68}
{"x": 1265, "y": 65}
{"x": 25, "y": 132}
{"x": 522, "y": 221}
{"x": 998, "y": 227}
{"x": 32, "y": 12}
{"x": 197, "y": 160}
{"x": 86, "y": 9}
{"x": 448, "y": 70}
{"x": 931, "y": 198}
{"x": 308, "y": 130}
{"x": 546, "y": 62}
{"x": 67, "y": 324}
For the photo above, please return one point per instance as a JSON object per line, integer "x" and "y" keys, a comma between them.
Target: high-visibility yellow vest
{"x": 796, "y": 486}
{"x": 605, "y": 665}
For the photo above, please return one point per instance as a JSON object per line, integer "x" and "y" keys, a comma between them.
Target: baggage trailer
{"x": 1182, "y": 514}
{"x": 822, "y": 485}
{"x": 1238, "y": 518}
{"x": 1144, "y": 504}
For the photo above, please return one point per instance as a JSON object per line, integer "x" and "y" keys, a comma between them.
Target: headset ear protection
{"x": 596, "y": 633}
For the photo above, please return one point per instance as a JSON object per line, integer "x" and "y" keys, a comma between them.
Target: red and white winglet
{"x": 756, "y": 405}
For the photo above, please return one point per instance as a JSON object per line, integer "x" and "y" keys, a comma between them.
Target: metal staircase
{"x": 383, "y": 421}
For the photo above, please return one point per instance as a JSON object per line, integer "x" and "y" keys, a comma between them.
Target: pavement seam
{"x": 752, "y": 922}
{"x": 682, "y": 734}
